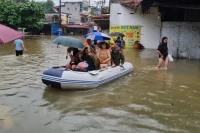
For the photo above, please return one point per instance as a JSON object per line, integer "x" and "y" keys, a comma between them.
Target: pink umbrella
{"x": 7, "y": 34}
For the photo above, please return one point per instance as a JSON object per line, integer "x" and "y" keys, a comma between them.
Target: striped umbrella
{"x": 97, "y": 36}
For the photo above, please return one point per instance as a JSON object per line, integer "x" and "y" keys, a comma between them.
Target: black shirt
{"x": 90, "y": 62}
{"x": 163, "y": 50}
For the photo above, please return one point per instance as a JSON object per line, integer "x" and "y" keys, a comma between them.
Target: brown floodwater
{"x": 145, "y": 101}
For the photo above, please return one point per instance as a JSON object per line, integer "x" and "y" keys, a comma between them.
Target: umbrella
{"x": 117, "y": 34}
{"x": 7, "y": 34}
{"x": 68, "y": 42}
{"x": 97, "y": 36}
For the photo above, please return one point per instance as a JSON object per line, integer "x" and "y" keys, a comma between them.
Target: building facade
{"x": 150, "y": 23}
{"x": 76, "y": 11}
{"x": 176, "y": 20}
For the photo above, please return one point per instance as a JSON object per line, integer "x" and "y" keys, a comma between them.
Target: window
{"x": 75, "y": 8}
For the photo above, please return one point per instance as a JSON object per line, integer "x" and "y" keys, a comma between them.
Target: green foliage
{"x": 21, "y": 1}
{"x": 31, "y": 13}
{"x": 27, "y": 15}
{"x": 48, "y": 5}
{"x": 9, "y": 14}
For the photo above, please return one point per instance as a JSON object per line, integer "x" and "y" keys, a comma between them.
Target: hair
{"x": 89, "y": 40}
{"x": 118, "y": 37}
{"x": 107, "y": 45}
{"x": 163, "y": 40}
{"x": 69, "y": 50}
{"x": 86, "y": 48}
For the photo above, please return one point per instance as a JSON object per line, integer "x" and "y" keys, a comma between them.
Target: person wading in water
{"x": 163, "y": 53}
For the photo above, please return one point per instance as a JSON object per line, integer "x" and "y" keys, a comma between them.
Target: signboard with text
{"x": 132, "y": 33}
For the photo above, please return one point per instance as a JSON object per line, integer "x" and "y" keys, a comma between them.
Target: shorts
{"x": 19, "y": 52}
{"x": 164, "y": 57}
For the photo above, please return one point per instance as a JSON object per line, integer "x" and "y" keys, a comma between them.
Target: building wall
{"x": 72, "y": 8}
{"x": 183, "y": 38}
{"x": 150, "y": 23}
{"x": 64, "y": 19}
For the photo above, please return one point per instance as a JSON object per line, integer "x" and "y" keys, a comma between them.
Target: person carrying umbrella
{"x": 19, "y": 46}
{"x": 120, "y": 43}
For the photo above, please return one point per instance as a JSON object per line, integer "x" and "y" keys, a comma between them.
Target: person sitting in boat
{"x": 74, "y": 58}
{"x": 93, "y": 54}
{"x": 104, "y": 55}
{"x": 87, "y": 57}
{"x": 117, "y": 56}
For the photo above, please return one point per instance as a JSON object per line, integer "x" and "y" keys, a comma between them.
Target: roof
{"x": 77, "y": 26}
{"x": 131, "y": 3}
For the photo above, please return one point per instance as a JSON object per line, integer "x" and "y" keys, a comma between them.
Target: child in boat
{"x": 74, "y": 58}
{"x": 117, "y": 57}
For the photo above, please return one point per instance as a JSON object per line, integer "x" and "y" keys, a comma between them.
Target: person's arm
{"x": 98, "y": 53}
{"x": 122, "y": 58}
{"x": 109, "y": 57}
{"x": 80, "y": 57}
{"x": 23, "y": 46}
{"x": 158, "y": 51}
{"x": 113, "y": 64}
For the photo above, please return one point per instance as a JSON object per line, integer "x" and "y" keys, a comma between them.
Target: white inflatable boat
{"x": 59, "y": 77}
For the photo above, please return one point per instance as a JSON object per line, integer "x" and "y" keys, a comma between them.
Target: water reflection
{"x": 147, "y": 100}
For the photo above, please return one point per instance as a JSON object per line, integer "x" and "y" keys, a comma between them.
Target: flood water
{"x": 144, "y": 101}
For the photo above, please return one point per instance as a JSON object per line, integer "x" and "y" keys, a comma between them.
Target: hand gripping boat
{"x": 59, "y": 77}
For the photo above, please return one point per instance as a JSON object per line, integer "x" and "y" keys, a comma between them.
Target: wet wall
{"x": 184, "y": 39}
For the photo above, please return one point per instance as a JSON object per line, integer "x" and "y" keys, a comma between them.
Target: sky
{"x": 92, "y": 2}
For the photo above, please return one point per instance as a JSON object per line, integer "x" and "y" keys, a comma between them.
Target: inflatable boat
{"x": 59, "y": 77}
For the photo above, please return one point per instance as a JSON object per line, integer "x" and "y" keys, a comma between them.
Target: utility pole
{"x": 60, "y": 14}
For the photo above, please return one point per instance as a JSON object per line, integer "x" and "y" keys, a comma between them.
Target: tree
{"x": 31, "y": 15}
{"x": 27, "y": 15}
{"x": 21, "y": 1}
{"x": 48, "y": 5}
{"x": 9, "y": 14}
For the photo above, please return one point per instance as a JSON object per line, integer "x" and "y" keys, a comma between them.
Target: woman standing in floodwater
{"x": 163, "y": 53}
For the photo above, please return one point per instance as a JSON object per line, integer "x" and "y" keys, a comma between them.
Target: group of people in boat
{"x": 97, "y": 55}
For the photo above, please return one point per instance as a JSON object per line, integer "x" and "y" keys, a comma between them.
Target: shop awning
{"x": 77, "y": 26}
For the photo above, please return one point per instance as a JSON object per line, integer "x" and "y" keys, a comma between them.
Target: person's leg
{"x": 73, "y": 67}
{"x": 21, "y": 52}
{"x": 160, "y": 61}
{"x": 166, "y": 63}
{"x": 17, "y": 52}
{"x": 68, "y": 66}
{"x": 103, "y": 66}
